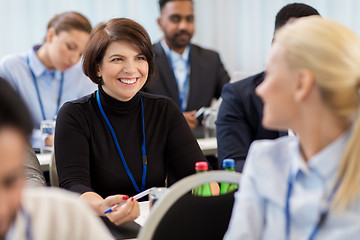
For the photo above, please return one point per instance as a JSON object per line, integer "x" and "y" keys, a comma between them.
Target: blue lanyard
{"x": 323, "y": 214}
{"x": 143, "y": 149}
{"x": 38, "y": 92}
{"x": 182, "y": 94}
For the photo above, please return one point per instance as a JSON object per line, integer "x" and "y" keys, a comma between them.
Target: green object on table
{"x": 228, "y": 165}
{"x": 203, "y": 190}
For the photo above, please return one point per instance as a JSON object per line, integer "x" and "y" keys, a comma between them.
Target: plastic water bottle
{"x": 228, "y": 165}
{"x": 203, "y": 190}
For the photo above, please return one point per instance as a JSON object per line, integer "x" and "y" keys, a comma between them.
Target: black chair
{"x": 181, "y": 215}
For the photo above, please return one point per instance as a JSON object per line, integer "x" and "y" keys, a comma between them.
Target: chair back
{"x": 181, "y": 215}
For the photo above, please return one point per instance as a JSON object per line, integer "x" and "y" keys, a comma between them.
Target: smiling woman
{"x": 48, "y": 75}
{"x": 126, "y": 140}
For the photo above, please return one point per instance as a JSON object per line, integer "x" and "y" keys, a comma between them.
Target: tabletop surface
{"x": 207, "y": 145}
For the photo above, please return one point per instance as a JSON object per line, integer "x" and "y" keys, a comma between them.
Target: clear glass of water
{"x": 209, "y": 123}
{"x": 155, "y": 194}
{"x": 47, "y": 128}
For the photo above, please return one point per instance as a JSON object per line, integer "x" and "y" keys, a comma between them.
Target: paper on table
{"x": 207, "y": 143}
{"x": 144, "y": 213}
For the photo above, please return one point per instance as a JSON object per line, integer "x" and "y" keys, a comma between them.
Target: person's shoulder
{"x": 273, "y": 145}
{"x": 77, "y": 106}
{"x": 243, "y": 88}
{"x": 75, "y": 70}
{"x": 157, "y": 44}
{"x": 83, "y": 100}
{"x": 160, "y": 101}
{"x": 49, "y": 205}
{"x": 13, "y": 60}
{"x": 49, "y": 193}
{"x": 204, "y": 51}
{"x": 253, "y": 80}
{"x": 274, "y": 152}
{"x": 157, "y": 47}
{"x": 38, "y": 199}
{"x": 155, "y": 98}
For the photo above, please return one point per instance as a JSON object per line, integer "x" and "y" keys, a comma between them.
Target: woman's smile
{"x": 128, "y": 81}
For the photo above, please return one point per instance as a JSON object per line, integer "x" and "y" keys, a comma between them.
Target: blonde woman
{"x": 305, "y": 187}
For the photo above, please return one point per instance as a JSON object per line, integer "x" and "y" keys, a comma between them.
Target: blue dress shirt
{"x": 259, "y": 208}
{"x": 181, "y": 69}
{"x": 15, "y": 69}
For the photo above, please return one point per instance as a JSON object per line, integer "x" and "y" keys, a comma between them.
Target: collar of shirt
{"x": 174, "y": 55}
{"x": 39, "y": 69}
{"x": 325, "y": 163}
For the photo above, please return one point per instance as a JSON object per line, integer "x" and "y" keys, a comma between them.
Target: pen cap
{"x": 201, "y": 166}
{"x": 228, "y": 163}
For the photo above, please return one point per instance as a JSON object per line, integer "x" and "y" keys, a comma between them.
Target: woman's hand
{"x": 123, "y": 214}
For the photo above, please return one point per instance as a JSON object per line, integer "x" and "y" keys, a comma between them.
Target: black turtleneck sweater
{"x": 86, "y": 156}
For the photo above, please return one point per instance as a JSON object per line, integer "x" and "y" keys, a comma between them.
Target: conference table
{"x": 207, "y": 145}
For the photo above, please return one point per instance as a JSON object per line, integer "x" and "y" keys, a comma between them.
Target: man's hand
{"x": 191, "y": 120}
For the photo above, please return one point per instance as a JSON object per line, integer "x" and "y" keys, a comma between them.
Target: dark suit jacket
{"x": 207, "y": 77}
{"x": 239, "y": 120}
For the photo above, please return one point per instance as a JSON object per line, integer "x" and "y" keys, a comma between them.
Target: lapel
{"x": 196, "y": 68}
{"x": 166, "y": 72}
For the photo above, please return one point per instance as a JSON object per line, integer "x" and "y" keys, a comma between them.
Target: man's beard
{"x": 176, "y": 42}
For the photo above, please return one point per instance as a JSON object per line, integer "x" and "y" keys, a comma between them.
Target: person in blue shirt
{"x": 190, "y": 75}
{"x": 49, "y": 74}
{"x": 305, "y": 187}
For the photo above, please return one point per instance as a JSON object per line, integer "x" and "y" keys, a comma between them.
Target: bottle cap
{"x": 228, "y": 163}
{"x": 201, "y": 166}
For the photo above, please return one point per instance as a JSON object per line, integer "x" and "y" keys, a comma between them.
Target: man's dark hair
{"x": 163, "y": 2}
{"x": 293, "y": 10}
{"x": 13, "y": 111}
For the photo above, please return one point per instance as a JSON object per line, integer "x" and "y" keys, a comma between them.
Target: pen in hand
{"x": 136, "y": 197}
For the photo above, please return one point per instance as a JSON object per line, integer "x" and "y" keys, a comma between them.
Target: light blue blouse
{"x": 15, "y": 69}
{"x": 260, "y": 204}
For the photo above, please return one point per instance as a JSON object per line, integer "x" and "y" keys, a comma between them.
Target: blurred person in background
{"x": 48, "y": 75}
{"x": 34, "y": 213}
{"x": 190, "y": 75}
{"x": 239, "y": 119}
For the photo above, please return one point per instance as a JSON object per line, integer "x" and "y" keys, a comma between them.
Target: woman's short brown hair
{"x": 117, "y": 29}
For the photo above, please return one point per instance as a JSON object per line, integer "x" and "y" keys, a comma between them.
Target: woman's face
{"x": 277, "y": 90}
{"x": 66, "y": 48}
{"x": 124, "y": 70}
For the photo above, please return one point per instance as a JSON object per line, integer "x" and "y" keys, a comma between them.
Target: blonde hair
{"x": 332, "y": 53}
